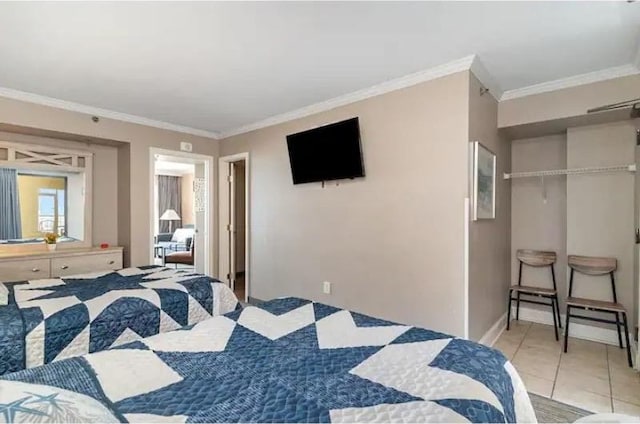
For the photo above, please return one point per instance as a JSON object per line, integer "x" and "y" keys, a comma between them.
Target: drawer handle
{"x": 64, "y": 267}
{"x": 112, "y": 262}
{"x": 35, "y": 270}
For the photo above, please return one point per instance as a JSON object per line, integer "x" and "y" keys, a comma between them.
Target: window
{"x": 51, "y": 211}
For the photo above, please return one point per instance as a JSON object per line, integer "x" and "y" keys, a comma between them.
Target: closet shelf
{"x": 574, "y": 171}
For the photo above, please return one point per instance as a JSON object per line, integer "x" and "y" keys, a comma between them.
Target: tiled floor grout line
{"x": 555, "y": 378}
{"x": 523, "y": 337}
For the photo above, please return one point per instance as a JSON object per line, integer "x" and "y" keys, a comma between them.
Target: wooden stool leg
{"x": 558, "y": 312}
{"x": 555, "y": 321}
{"x": 566, "y": 329}
{"x": 626, "y": 336}
{"x": 509, "y": 311}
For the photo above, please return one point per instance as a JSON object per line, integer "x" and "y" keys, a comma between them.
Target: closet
{"x": 589, "y": 206}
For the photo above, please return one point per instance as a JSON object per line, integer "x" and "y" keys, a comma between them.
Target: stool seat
{"x": 595, "y": 304}
{"x": 533, "y": 290}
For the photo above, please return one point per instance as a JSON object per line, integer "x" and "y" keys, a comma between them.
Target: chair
{"x": 595, "y": 266}
{"x": 173, "y": 242}
{"x": 537, "y": 259}
{"x": 183, "y": 258}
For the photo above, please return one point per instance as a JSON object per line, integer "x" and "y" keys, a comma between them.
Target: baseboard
{"x": 492, "y": 335}
{"x": 577, "y": 330}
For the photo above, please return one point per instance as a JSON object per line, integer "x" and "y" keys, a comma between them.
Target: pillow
{"x": 182, "y": 234}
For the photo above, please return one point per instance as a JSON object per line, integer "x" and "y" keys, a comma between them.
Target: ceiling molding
{"x": 356, "y": 96}
{"x": 102, "y": 113}
{"x": 478, "y": 69}
{"x": 574, "y": 81}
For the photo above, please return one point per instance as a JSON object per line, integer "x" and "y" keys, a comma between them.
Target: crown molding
{"x": 478, "y": 69}
{"x": 104, "y": 113}
{"x": 356, "y": 96}
{"x": 573, "y": 81}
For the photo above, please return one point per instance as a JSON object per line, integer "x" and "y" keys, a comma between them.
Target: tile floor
{"x": 592, "y": 376}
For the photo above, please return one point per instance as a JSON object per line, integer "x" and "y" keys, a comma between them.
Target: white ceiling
{"x": 220, "y": 66}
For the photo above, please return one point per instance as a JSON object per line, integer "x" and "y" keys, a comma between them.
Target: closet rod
{"x": 574, "y": 171}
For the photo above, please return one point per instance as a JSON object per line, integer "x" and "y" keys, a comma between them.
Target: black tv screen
{"x": 326, "y": 153}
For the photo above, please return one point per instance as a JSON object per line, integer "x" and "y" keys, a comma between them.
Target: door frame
{"x": 208, "y": 211}
{"x": 224, "y": 203}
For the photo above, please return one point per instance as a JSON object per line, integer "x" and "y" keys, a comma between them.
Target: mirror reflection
{"x": 34, "y": 203}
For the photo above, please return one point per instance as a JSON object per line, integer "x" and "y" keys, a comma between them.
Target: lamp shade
{"x": 170, "y": 215}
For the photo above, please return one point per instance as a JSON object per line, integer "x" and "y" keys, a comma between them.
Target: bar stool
{"x": 537, "y": 259}
{"x": 595, "y": 266}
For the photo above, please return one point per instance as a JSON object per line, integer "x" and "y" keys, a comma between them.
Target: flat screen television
{"x": 331, "y": 152}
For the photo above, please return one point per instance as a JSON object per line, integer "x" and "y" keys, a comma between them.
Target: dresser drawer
{"x": 20, "y": 270}
{"x": 61, "y": 267}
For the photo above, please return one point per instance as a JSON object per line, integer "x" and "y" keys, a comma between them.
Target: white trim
{"x": 572, "y": 81}
{"x": 356, "y": 96}
{"x": 104, "y": 113}
{"x": 209, "y": 211}
{"x": 247, "y": 215}
{"x": 483, "y": 75}
{"x": 491, "y": 336}
{"x": 465, "y": 268}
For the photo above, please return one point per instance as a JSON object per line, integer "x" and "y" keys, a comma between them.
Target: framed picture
{"x": 484, "y": 182}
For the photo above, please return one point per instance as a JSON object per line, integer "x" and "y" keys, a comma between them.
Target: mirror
{"x": 44, "y": 190}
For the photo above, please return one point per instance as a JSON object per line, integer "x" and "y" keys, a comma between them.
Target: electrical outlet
{"x": 326, "y": 287}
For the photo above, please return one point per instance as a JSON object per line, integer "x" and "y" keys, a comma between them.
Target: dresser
{"x": 59, "y": 263}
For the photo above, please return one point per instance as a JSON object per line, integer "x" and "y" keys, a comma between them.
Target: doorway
{"x": 234, "y": 224}
{"x": 181, "y": 210}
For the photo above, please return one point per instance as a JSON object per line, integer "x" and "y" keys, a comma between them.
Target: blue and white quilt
{"x": 288, "y": 360}
{"x": 52, "y": 319}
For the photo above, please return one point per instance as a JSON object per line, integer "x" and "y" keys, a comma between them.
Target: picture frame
{"x": 484, "y": 182}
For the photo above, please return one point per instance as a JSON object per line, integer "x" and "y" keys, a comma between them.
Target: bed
{"x": 288, "y": 360}
{"x": 52, "y": 319}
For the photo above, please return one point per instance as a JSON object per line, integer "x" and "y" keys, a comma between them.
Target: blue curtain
{"x": 10, "y": 225}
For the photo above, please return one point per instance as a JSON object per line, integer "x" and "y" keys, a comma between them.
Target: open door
{"x": 231, "y": 227}
{"x": 234, "y": 231}
{"x": 227, "y": 220}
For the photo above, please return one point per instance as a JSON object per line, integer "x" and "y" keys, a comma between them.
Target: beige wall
{"x": 567, "y": 103}
{"x": 392, "y": 242}
{"x": 188, "y": 217}
{"x": 537, "y": 223}
{"x": 105, "y": 176}
{"x": 132, "y": 210}
{"x": 489, "y": 240}
{"x": 600, "y": 207}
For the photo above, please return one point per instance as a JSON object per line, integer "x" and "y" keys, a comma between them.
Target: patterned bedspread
{"x": 289, "y": 360}
{"x": 52, "y": 319}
